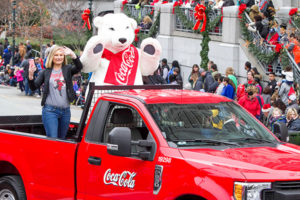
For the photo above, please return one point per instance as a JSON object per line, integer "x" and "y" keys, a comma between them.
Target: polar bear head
{"x": 117, "y": 30}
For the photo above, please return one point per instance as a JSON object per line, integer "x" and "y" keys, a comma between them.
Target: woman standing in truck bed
{"x": 58, "y": 90}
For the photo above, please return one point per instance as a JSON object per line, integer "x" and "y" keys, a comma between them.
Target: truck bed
{"x": 31, "y": 124}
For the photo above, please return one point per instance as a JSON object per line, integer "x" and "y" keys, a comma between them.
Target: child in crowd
{"x": 19, "y": 74}
{"x": 276, "y": 117}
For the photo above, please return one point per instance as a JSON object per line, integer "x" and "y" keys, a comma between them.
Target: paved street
{"x": 13, "y": 102}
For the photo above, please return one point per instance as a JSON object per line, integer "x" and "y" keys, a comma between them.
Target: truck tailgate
{"x": 46, "y": 165}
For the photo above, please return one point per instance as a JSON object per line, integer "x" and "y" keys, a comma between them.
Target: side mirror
{"x": 119, "y": 142}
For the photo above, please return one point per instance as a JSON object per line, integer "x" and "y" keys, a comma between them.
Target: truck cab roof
{"x": 170, "y": 96}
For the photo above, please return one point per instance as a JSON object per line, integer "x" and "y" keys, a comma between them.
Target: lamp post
{"x": 89, "y": 33}
{"x": 90, "y": 5}
{"x": 14, "y": 30}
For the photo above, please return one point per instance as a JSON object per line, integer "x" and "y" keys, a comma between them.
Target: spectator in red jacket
{"x": 272, "y": 37}
{"x": 250, "y": 102}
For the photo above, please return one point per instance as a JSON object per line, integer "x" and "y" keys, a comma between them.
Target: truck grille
{"x": 283, "y": 190}
{"x": 294, "y": 185}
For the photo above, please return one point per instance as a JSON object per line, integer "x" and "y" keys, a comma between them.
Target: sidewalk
{"x": 13, "y": 102}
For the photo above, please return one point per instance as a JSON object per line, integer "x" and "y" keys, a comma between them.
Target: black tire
{"x": 12, "y": 188}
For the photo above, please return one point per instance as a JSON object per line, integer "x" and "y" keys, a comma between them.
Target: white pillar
{"x": 118, "y": 6}
{"x": 231, "y": 25}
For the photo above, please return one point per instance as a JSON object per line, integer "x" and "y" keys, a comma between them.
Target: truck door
{"x": 104, "y": 176}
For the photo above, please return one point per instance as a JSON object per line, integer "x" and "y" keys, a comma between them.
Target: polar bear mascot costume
{"x": 111, "y": 56}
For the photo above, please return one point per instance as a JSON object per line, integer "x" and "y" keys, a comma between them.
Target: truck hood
{"x": 254, "y": 163}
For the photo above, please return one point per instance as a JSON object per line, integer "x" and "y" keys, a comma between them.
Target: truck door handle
{"x": 94, "y": 160}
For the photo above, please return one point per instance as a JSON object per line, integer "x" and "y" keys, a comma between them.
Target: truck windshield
{"x": 208, "y": 124}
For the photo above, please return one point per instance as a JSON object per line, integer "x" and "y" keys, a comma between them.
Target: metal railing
{"x": 265, "y": 48}
{"x": 141, "y": 12}
{"x": 294, "y": 25}
{"x": 275, "y": 66}
{"x": 296, "y": 69}
{"x": 189, "y": 13}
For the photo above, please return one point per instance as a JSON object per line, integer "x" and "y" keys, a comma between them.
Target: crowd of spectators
{"x": 15, "y": 72}
{"x": 276, "y": 100}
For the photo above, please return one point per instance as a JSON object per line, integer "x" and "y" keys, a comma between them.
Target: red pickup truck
{"x": 150, "y": 144}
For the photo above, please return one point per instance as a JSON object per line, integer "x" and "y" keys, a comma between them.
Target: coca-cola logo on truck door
{"x": 124, "y": 179}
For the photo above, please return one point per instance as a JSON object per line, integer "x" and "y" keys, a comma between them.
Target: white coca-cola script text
{"x": 124, "y": 179}
{"x": 128, "y": 58}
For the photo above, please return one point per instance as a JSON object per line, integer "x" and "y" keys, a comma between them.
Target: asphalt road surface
{"x": 13, "y": 102}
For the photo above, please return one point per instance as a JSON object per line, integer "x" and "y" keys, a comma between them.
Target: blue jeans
{"x": 27, "y": 89}
{"x": 56, "y": 121}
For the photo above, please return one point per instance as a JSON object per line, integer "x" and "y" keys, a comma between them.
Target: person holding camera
{"x": 250, "y": 102}
{"x": 58, "y": 89}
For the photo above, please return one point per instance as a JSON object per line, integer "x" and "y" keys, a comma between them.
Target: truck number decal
{"x": 124, "y": 179}
{"x": 164, "y": 159}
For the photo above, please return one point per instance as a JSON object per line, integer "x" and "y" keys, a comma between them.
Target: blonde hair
{"x": 289, "y": 112}
{"x": 229, "y": 70}
{"x": 49, "y": 62}
{"x": 251, "y": 88}
{"x": 277, "y": 110}
{"x": 147, "y": 19}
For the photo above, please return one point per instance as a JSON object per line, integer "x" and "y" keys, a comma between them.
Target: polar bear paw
{"x": 151, "y": 47}
{"x": 91, "y": 56}
{"x": 150, "y": 55}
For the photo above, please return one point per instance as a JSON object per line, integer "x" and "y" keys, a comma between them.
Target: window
{"x": 125, "y": 116}
{"x": 203, "y": 124}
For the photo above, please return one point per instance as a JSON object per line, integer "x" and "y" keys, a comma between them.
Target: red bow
{"x": 176, "y": 3}
{"x": 278, "y": 48}
{"x": 86, "y": 18}
{"x": 154, "y": 2}
{"x": 123, "y": 3}
{"x": 136, "y": 32}
{"x": 221, "y": 15}
{"x": 242, "y": 8}
{"x": 152, "y": 11}
{"x": 293, "y": 11}
{"x": 164, "y": 2}
{"x": 200, "y": 16}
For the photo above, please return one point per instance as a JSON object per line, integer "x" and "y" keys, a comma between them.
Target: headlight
{"x": 249, "y": 191}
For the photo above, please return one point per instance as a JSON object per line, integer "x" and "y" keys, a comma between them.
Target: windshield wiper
{"x": 181, "y": 142}
{"x": 256, "y": 140}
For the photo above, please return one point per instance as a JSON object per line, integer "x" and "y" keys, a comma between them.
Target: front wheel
{"x": 12, "y": 188}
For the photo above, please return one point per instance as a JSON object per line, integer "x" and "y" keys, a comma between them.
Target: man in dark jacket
{"x": 164, "y": 69}
{"x": 25, "y": 66}
{"x": 273, "y": 83}
{"x": 1, "y": 48}
{"x": 7, "y": 55}
{"x": 208, "y": 80}
{"x": 154, "y": 79}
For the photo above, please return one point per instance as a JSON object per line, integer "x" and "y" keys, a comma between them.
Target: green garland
{"x": 263, "y": 57}
{"x": 210, "y": 25}
{"x": 183, "y": 19}
{"x": 296, "y": 19}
